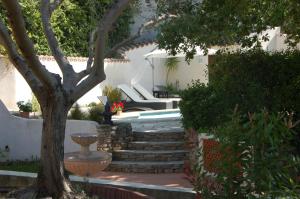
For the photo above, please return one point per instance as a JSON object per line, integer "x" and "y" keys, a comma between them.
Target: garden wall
{"x": 133, "y": 69}
{"x": 23, "y": 136}
{"x": 16, "y": 88}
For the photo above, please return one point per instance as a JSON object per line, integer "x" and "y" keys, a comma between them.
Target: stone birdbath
{"x": 86, "y": 162}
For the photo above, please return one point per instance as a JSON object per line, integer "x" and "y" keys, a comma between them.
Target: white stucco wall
{"x": 7, "y": 83}
{"x": 185, "y": 73}
{"x": 23, "y": 136}
{"x": 14, "y": 88}
{"x": 118, "y": 73}
{"x": 143, "y": 70}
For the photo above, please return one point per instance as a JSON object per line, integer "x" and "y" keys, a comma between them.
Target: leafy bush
{"x": 257, "y": 79}
{"x": 76, "y": 113}
{"x": 92, "y": 104}
{"x": 95, "y": 113}
{"x": 256, "y": 160}
{"x": 258, "y": 155}
{"x": 72, "y": 23}
{"x": 171, "y": 65}
{"x": 24, "y": 107}
{"x": 201, "y": 107}
{"x": 113, "y": 94}
{"x": 254, "y": 80}
{"x": 173, "y": 88}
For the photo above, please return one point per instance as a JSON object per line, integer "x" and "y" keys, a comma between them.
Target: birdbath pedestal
{"x": 84, "y": 140}
{"x": 86, "y": 162}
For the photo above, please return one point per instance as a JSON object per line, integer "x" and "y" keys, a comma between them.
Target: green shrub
{"x": 259, "y": 159}
{"x": 95, "y": 113}
{"x": 171, "y": 65}
{"x": 92, "y": 104}
{"x": 76, "y": 113}
{"x": 256, "y": 160}
{"x": 257, "y": 79}
{"x": 24, "y": 107}
{"x": 201, "y": 106}
{"x": 113, "y": 94}
{"x": 254, "y": 80}
{"x": 173, "y": 88}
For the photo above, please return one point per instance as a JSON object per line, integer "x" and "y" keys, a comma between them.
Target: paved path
{"x": 169, "y": 180}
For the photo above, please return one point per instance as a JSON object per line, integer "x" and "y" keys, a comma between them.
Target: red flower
{"x": 117, "y": 107}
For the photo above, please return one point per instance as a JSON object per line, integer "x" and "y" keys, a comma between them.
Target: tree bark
{"x": 51, "y": 180}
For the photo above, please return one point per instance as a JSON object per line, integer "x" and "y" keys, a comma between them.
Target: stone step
{"x": 146, "y": 167}
{"x": 142, "y": 155}
{"x": 145, "y": 145}
{"x": 157, "y": 135}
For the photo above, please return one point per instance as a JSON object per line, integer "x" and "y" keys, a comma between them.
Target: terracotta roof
{"x": 121, "y": 52}
{"x": 134, "y": 46}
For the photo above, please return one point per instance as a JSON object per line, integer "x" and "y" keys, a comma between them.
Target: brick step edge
{"x": 153, "y": 137}
{"x": 146, "y": 145}
{"x": 146, "y": 167}
{"x": 149, "y": 156}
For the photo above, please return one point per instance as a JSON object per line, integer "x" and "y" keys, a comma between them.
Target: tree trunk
{"x": 52, "y": 180}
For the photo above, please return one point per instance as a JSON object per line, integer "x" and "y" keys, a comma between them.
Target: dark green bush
{"x": 24, "y": 107}
{"x": 95, "y": 113}
{"x": 92, "y": 104}
{"x": 256, "y": 160}
{"x": 201, "y": 107}
{"x": 253, "y": 80}
{"x": 257, "y": 79}
{"x": 76, "y": 113}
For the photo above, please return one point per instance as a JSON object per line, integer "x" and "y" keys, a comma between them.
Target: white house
{"x": 134, "y": 68}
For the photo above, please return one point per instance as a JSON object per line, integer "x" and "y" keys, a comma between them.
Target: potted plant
{"x": 24, "y": 108}
{"x": 117, "y": 107}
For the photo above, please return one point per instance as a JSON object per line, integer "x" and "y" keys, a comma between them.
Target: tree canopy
{"x": 72, "y": 23}
{"x": 226, "y": 22}
{"x": 57, "y": 93}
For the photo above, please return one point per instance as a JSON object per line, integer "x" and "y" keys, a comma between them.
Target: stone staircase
{"x": 152, "y": 151}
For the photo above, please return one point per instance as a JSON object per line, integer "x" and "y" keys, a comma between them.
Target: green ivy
{"x": 72, "y": 22}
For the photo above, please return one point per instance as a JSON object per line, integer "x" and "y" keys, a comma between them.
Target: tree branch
{"x": 91, "y": 49}
{"x": 24, "y": 43}
{"x": 63, "y": 63}
{"x": 96, "y": 73}
{"x": 90, "y": 60}
{"x": 149, "y": 24}
{"x": 18, "y": 61}
{"x": 85, "y": 85}
{"x": 54, "y": 5}
{"x": 103, "y": 28}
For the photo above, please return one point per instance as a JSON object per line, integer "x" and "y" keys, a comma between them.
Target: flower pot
{"x": 119, "y": 113}
{"x": 24, "y": 114}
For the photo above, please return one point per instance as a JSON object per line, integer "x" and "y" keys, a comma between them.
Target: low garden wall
{"x": 23, "y": 136}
